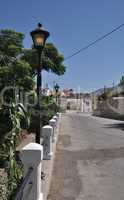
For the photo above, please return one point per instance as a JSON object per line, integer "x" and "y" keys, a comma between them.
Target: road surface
{"x": 89, "y": 161}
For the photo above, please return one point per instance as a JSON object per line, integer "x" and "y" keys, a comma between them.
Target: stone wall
{"x": 112, "y": 108}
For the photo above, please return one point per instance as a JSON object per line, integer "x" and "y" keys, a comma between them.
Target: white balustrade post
{"x": 55, "y": 117}
{"x": 57, "y": 123}
{"x": 31, "y": 156}
{"x": 47, "y": 132}
{"x": 52, "y": 123}
{"x": 57, "y": 114}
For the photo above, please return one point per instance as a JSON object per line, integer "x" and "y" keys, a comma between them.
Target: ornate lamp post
{"x": 39, "y": 37}
{"x": 56, "y": 87}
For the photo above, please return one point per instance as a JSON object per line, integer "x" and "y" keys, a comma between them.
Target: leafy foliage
{"x": 17, "y": 67}
{"x": 104, "y": 96}
{"x": 121, "y": 81}
{"x": 122, "y": 84}
{"x": 19, "y": 74}
{"x": 48, "y": 108}
{"x": 51, "y": 59}
{"x": 10, "y": 138}
{"x": 11, "y": 42}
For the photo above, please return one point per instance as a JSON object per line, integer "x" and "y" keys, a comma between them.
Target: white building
{"x": 86, "y": 105}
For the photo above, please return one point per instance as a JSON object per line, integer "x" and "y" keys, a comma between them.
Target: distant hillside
{"x": 116, "y": 89}
{"x": 100, "y": 91}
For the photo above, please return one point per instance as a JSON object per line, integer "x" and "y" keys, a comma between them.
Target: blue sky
{"x": 74, "y": 24}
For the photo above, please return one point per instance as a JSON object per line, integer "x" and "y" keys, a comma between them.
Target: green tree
{"x": 18, "y": 65}
{"x": 122, "y": 80}
{"x": 52, "y": 60}
{"x": 122, "y": 84}
{"x": 13, "y": 71}
{"x": 11, "y": 42}
{"x": 19, "y": 74}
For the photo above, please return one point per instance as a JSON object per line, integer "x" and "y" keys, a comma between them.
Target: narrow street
{"x": 89, "y": 161}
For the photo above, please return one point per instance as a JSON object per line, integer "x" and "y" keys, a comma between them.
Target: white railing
{"x": 32, "y": 156}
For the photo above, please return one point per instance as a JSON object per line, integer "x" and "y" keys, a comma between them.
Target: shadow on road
{"x": 115, "y": 126}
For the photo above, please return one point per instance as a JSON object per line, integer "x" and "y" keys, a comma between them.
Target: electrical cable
{"x": 94, "y": 42}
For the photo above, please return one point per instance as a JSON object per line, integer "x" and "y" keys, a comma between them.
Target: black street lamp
{"x": 39, "y": 37}
{"x": 56, "y": 87}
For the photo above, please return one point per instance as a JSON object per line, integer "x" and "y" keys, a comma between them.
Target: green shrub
{"x": 12, "y": 117}
{"x": 48, "y": 109}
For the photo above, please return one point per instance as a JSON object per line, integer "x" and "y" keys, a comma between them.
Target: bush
{"x": 48, "y": 109}
{"x": 5, "y": 122}
{"x": 10, "y": 126}
{"x": 104, "y": 96}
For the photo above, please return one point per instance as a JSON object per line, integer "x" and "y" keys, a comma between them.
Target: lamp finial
{"x": 39, "y": 25}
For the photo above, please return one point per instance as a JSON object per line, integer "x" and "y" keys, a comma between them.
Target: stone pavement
{"x": 89, "y": 160}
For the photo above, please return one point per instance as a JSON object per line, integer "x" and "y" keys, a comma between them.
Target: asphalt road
{"x": 89, "y": 161}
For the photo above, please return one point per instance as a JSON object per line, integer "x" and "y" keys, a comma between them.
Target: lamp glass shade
{"x": 39, "y": 36}
{"x": 39, "y": 39}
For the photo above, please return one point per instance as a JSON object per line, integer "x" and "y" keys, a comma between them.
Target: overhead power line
{"x": 94, "y": 42}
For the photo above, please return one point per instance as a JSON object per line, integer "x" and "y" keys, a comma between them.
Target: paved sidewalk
{"x": 66, "y": 184}
{"x": 89, "y": 160}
